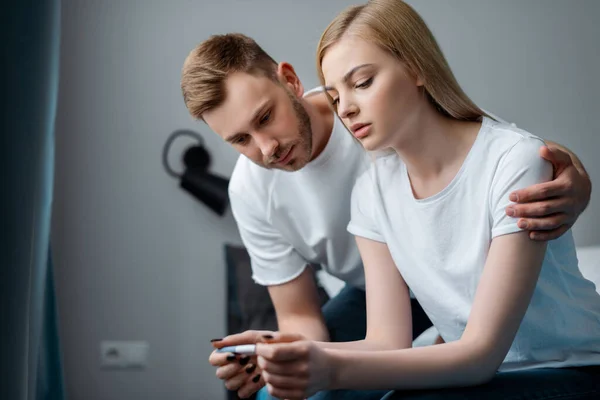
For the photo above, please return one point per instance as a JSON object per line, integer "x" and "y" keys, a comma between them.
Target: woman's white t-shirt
{"x": 440, "y": 245}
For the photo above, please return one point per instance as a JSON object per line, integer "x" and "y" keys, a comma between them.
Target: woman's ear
{"x": 420, "y": 81}
{"x": 288, "y": 77}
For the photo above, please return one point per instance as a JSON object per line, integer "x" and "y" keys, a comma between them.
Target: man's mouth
{"x": 285, "y": 158}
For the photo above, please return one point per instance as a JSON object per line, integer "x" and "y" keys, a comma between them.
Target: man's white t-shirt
{"x": 290, "y": 219}
{"x": 440, "y": 245}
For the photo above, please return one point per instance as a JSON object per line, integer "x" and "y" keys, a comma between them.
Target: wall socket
{"x": 124, "y": 354}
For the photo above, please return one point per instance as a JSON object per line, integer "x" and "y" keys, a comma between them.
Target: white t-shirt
{"x": 290, "y": 219}
{"x": 440, "y": 245}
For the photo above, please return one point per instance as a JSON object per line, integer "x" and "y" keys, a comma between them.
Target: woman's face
{"x": 376, "y": 96}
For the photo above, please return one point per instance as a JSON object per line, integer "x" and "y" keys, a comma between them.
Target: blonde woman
{"x": 516, "y": 315}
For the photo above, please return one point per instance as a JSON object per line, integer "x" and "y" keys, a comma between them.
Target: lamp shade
{"x": 210, "y": 189}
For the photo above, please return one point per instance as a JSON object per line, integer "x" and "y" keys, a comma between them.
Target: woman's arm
{"x": 389, "y": 316}
{"x": 503, "y": 294}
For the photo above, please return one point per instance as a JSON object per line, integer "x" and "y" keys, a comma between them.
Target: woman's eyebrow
{"x": 349, "y": 74}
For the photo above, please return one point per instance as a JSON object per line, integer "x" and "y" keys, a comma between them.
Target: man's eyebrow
{"x": 349, "y": 74}
{"x": 255, "y": 116}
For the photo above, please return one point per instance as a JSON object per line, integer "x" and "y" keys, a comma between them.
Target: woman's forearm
{"x": 357, "y": 345}
{"x": 451, "y": 364}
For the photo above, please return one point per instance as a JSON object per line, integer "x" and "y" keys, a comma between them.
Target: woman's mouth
{"x": 360, "y": 130}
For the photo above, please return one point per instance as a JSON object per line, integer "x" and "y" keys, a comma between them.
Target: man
{"x": 291, "y": 187}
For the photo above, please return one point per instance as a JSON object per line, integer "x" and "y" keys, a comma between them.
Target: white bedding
{"x": 589, "y": 263}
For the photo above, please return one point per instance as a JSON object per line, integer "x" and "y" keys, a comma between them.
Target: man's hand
{"x": 549, "y": 209}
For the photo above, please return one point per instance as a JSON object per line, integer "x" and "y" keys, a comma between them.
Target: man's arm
{"x": 296, "y": 301}
{"x": 576, "y": 161}
{"x": 298, "y": 307}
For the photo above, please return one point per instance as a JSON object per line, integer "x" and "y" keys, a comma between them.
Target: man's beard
{"x": 303, "y": 144}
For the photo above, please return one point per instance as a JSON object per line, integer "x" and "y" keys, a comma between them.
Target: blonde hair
{"x": 209, "y": 64}
{"x": 395, "y": 27}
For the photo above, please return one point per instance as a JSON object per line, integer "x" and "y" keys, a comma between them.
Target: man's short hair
{"x": 212, "y": 61}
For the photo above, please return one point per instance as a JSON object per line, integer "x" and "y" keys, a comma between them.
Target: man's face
{"x": 264, "y": 121}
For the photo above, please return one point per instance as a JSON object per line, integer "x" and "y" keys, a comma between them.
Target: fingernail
{"x": 513, "y": 197}
{"x": 244, "y": 360}
{"x": 256, "y": 378}
{"x": 523, "y": 224}
{"x": 510, "y": 211}
{"x": 268, "y": 336}
{"x": 215, "y": 340}
{"x": 250, "y": 368}
{"x": 230, "y": 357}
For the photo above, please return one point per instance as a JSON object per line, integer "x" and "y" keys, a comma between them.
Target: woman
{"x": 500, "y": 301}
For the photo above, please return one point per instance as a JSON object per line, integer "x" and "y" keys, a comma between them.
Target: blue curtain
{"x": 30, "y": 360}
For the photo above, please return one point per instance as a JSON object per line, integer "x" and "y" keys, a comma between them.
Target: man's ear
{"x": 287, "y": 76}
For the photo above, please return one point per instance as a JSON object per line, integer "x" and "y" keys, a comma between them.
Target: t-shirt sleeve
{"x": 274, "y": 260}
{"x": 362, "y": 221}
{"x": 521, "y": 166}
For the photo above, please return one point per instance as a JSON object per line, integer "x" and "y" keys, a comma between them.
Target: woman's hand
{"x": 549, "y": 209}
{"x": 240, "y": 373}
{"x": 295, "y": 370}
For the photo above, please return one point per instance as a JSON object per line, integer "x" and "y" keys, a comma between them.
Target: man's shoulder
{"x": 247, "y": 177}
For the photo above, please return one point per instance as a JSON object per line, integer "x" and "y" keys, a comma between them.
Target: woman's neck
{"x": 434, "y": 148}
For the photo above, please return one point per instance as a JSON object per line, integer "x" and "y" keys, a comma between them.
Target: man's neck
{"x": 321, "y": 121}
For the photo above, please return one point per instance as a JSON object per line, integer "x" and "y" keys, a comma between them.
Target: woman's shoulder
{"x": 502, "y": 138}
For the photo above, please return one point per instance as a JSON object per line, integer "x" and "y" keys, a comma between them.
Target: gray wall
{"x": 138, "y": 259}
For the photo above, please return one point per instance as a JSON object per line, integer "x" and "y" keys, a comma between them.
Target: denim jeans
{"x": 539, "y": 384}
{"x": 346, "y": 320}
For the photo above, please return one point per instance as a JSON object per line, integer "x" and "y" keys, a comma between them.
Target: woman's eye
{"x": 335, "y": 101}
{"x": 265, "y": 118}
{"x": 364, "y": 84}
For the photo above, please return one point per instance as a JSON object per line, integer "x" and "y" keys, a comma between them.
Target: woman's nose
{"x": 347, "y": 109}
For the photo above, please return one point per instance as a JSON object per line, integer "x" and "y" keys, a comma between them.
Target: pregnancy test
{"x": 246, "y": 349}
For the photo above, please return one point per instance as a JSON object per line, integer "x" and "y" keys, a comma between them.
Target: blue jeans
{"x": 346, "y": 320}
{"x": 539, "y": 384}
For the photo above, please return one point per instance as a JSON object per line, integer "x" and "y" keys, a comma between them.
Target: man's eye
{"x": 240, "y": 140}
{"x": 265, "y": 118}
{"x": 335, "y": 101}
{"x": 364, "y": 84}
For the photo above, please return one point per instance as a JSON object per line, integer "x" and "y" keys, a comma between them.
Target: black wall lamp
{"x": 209, "y": 188}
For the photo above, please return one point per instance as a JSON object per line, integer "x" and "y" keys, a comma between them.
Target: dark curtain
{"x": 30, "y": 359}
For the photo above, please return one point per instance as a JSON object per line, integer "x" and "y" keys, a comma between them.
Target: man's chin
{"x": 296, "y": 163}
{"x": 293, "y": 165}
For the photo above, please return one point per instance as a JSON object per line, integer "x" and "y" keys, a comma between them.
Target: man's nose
{"x": 267, "y": 144}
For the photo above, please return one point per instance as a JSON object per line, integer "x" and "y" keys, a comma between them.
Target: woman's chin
{"x": 370, "y": 144}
